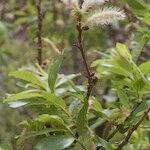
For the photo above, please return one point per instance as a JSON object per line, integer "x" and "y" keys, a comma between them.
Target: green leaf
{"x": 56, "y": 142}
{"x": 81, "y": 119}
{"x": 101, "y": 142}
{"x": 97, "y": 109}
{"x": 31, "y": 134}
{"x": 58, "y": 101}
{"x": 45, "y": 118}
{"x": 49, "y": 97}
{"x": 96, "y": 63}
{"x": 66, "y": 78}
{"x": 134, "y": 117}
{"x": 143, "y": 106}
{"x": 117, "y": 66}
{"x": 55, "y": 100}
{"x": 135, "y": 4}
{"x": 140, "y": 9}
{"x": 74, "y": 87}
{"x": 123, "y": 51}
{"x": 29, "y": 77}
{"x": 124, "y": 99}
{"x": 145, "y": 68}
{"x": 17, "y": 104}
{"x": 100, "y": 114}
{"x": 23, "y": 95}
{"x": 55, "y": 120}
{"x": 53, "y": 72}
{"x": 97, "y": 105}
{"x": 139, "y": 86}
{"x": 140, "y": 42}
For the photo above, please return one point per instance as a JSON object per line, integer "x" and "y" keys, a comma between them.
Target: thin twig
{"x": 131, "y": 130}
{"x": 39, "y": 32}
{"x": 92, "y": 79}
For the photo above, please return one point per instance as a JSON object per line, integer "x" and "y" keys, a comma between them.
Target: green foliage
{"x": 53, "y": 72}
{"x": 60, "y": 114}
{"x": 55, "y": 142}
{"x": 131, "y": 87}
{"x": 141, "y": 10}
{"x": 101, "y": 142}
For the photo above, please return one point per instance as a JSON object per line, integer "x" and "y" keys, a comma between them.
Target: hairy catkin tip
{"x": 91, "y": 3}
{"x": 107, "y": 15}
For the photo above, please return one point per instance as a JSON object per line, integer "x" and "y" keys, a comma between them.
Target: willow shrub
{"x": 68, "y": 115}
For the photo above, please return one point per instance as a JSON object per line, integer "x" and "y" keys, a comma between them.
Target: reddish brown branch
{"x": 92, "y": 79}
{"x": 131, "y": 130}
{"x": 80, "y": 46}
{"x": 39, "y": 32}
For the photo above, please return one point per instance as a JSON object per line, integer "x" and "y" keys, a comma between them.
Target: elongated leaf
{"x": 53, "y": 72}
{"x": 17, "y": 104}
{"x": 101, "y": 142}
{"x": 143, "y": 106}
{"x": 81, "y": 119}
{"x": 124, "y": 99}
{"x": 49, "y": 97}
{"x": 63, "y": 78}
{"x": 135, "y": 4}
{"x": 145, "y": 68}
{"x": 123, "y": 51}
{"x": 54, "y": 119}
{"x": 29, "y": 77}
{"x": 55, "y": 100}
{"x": 100, "y": 114}
{"x": 45, "y": 118}
{"x": 140, "y": 9}
{"x": 22, "y": 139}
{"x": 96, "y": 63}
{"x": 115, "y": 66}
{"x": 97, "y": 105}
{"x": 21, "y": 96}
{"x": 97, "y": 109}
{"x": 140, "y": 42}
{"x": 57, "y": 142}
{"x": 75, "y": 88}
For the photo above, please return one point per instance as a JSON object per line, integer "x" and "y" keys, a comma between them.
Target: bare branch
{"x": 131, "y": 130}
{"x": 39, "y": 32}
{"x": 92, "y": 79}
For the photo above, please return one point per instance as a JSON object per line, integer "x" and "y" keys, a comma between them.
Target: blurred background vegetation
{"x": 18, "y": 32}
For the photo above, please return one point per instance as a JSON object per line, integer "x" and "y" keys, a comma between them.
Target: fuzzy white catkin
{"x": 90, "y": 3}
{"x": 104, "y": 16}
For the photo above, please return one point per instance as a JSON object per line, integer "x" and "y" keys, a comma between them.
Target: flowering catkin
{"x": 104, "y": 16}
{"x": 90, "y": 3}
